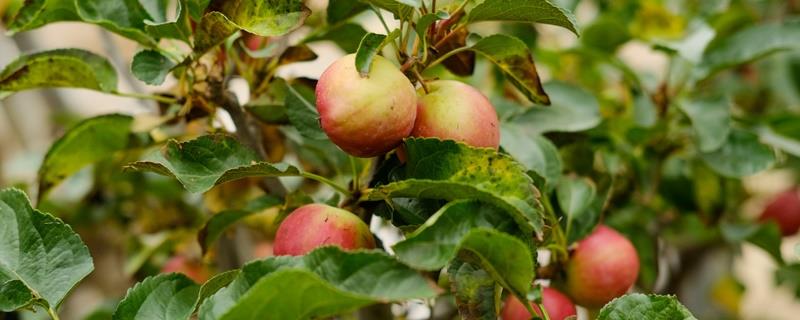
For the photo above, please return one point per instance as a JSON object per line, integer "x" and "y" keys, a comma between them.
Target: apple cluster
{"x": 368, "y": 116}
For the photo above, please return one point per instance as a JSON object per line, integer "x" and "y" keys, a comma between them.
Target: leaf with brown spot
{"x": 514, "y": 58}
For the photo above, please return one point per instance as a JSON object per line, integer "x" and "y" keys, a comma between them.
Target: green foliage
{"x": 41, "y": 257}
{"x": 640, "y": 306}
{"x": 540, "y": 11}
{"x": 512, "y": 56}
{"x": 151, "y": 67}
{"x": 264, "y": 18}
{"x": 71, "y": 68}
{"x": 371, "y": 45}
{"x": 165, "y": 296}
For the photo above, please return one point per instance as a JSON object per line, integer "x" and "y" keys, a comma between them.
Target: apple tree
{"x": 430, "y": 164}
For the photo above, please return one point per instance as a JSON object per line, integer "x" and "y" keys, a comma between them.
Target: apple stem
{"x": 420, "y": 79}
{"x": 327, "y": 181}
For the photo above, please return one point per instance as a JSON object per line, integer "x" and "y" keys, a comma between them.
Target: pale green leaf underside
{"x": 539, "y": 11}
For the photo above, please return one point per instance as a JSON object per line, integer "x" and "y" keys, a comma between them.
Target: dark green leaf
{"x": 475, "y": 227}
{"x": 37, "y": 13}
{"x": 424, "y": 22}
{"x": 264, "y": 18}
{"x": 747, "y": 45}
{"x": 162, "y": 297}
{"x": 711, "y": 120}
{"x": 125, "y": 17}
{"x": 449, "y": 170}
{"x": 197, "y": 8}
{"x": 303, "y": 115}
{"x": 637, "y": 306}
{"x": 741, "y": 155}
{"x": 371, "y": 45}
{"x": 534, "y": 151}
{"x": 514, "y": 58}
{"x": 39, "y": 251}
{"x": 574, "y": 109}
{"x": 539, "y": 11}
{"x": 323, "y": 283}
{"x": 151, "y": 67}
{"x": 216, "y": 283}
{"x": 341, "y": 10}
{"x": 606, "y": 33}
{"x": 789, "y": 275}
{"x": 766, "y": 236}
{"x": 89, "y": 141}
{"x": 212, "y": 30}
{"x": 72, "y": 68}
{"x": 475, "y": 291}
{"x": 210, "y": 160}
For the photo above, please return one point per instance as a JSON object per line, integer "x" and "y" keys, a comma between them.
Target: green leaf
{"x": 749, "y": 44}
{"x": 573, "y": 109}
{"x": 36, "y": 13}
{"x": 40, "y": 252}
{"x": 303, "y": 113}
{"x": 341, "y": 10}
{"x": 124, "y": 17}
{"x": 766, "y": 236}
{"x": 514, "y": 59}
{"x": 451, "y": 170}
{"x": 325, "y": 282}
{"x": 539, "y": 11}
{"x": 637, "y": 306}
{"x": 71, "y": 68}
{"x": 151, "y": 67}
{"x": 644, "y": 111}
{"x": 424, "y": 22}
{"x": 264, "y": 18}
{"x": 347, "y": 36}
{"x": 534, "y": 151}
{"x": 371, "y": 45}
{"x": 197, "y": 8}
{"x": 402, "y": 9}
{"x": 711, "y": 120}
{"x": 741, "y": 155}
{"x": 789, "y": 275}
{"x": 165, "y": 296}
{"x": 478, "y": 228}
{"x": 89, "y": 141}
{"x": 476, "y": 293}
{"x": 14, "y": 295}
{"x": 173, "y": 29}
{"x": 220, "y": 222}
{"x": 575, "y": 198}
{"x": 212, "y": 30}
{"x": 202, "y": 163}
{"x": 216, "y": 283}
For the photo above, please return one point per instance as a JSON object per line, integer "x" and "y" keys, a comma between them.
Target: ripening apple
{"x": 785, "y": 211}
{"x": 191, "y": 268}
{"x": 366, "y": 116}
{"x": 315, "y": 225}
{"x": 557, "y": 305}
{"x": 603, "y": 266}
{"x": 453, "y": 110}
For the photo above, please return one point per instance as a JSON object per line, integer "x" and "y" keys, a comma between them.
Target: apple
{"x": 191, "y": 268}
{"x": 557, "y": 305}
{"x": 366, "y": 116}
{"x": 452, "y": 110}
{"x": 315, "y": 225}
{"x": 784, "y": 210}
{"x": 603, "y": 266}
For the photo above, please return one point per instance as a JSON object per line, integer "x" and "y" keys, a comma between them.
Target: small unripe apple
{"x": 366, "y": 116}
{"x": 192, "y": 269}
{"x": 452, "y": 110}
{"x": 785, "y": 211}
{"x": 557, "y": 305}
{"x": 603, "y": 266}
{"x": 315, "y": 225}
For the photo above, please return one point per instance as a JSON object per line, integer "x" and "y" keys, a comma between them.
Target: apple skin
{"x": 557, "y": 305}
{"x": 369, "y": 116}
{"x": 785, "y": 211}
{"x": 603, "y": 266}
{"x": 453, "y": 110}
{"x": 192, "y": 269}
{"x": 315, "y": 225}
